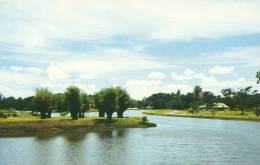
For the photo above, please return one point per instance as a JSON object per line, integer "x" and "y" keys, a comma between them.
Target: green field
{"x": 225, "y": 115}
{"x": 32, "y": 125}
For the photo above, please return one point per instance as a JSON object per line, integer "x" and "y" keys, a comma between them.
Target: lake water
{"x": 174, "y": 141}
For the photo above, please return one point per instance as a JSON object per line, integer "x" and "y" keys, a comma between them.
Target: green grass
{"x": 225, "y": 115}
{"x": 31, "y": 124}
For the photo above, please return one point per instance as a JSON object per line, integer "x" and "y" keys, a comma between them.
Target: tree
{"x": 197, "y": 94}
{"x": 110, "y": 102}
{"x": 72, "y": 101}
{"x": 228, "y": 99}
{"x": 58, "y": 102}
{"x": 42, "y": 102}
{"x": 84, "y": 104}
{"x": 28, "y": 103}
{"x": 99, "y": 103}
{"x": 243, "y": 98}
{"x": 1, "y": 100}
{"x": 208, "y": 99}
{"x": 258, "y": 77}
{"x": 123, "y": 101}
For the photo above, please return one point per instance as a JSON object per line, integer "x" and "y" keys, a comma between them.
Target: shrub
{"x": 145, "y": 119}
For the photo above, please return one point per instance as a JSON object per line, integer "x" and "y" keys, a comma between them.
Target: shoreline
{"x": 23, "y": 127}
{"x": 202, "y": 116}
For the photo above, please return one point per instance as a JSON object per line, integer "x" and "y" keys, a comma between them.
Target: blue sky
{"x": 143, "y": 46}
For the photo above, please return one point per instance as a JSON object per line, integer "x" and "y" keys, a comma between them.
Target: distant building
{"x": 215, "y": 106}
{"x": 220, "y": 106}
{"x": 149, "y": 107}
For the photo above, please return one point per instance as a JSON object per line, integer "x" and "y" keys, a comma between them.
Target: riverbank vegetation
{"x": 35, "y": 125}
{"x": 208, "y": 114}
{"x": 242, "y": 104}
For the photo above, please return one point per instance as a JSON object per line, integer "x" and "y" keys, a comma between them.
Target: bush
{"x": 144, "y": 119}
{"x": 2, "y": 115}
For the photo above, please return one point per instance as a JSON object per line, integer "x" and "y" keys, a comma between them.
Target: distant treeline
{"x": 116, "y": 98}
{"x": 245, "y": 98}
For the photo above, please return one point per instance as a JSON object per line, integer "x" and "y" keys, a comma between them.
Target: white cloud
{"x": 221, "y": 69}
{"x": 189, "y": 75}
{"x": 105, "y": 61}
{"x": 25, "y": 69}
{"x": 22, "y": 81}
{"x": 156, "y": 75}
{"x": 35, "y": 28}
{"x": 19, "y": 81}
{"x": 87, "y": 76}
{"x": 144, "y": 88}
{"x": 247, "y": 56}
{"x": 57, "y": 74}
{"x": 34, "y": 24}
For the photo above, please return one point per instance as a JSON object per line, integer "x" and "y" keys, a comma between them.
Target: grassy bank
{"x": 33, "y": 125}
{"x": 224, "y": 115}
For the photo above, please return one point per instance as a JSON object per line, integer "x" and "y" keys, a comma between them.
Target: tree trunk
{"x": 119, "y": 114}
{"x": 48, "y": 114}
{"x": 109, "y": 117}
{"x": 74, "y": 115}
{"x": 43, "y": 115}
{"x": 101, "y": 114}
{"x": 81, "y": 114}
{"x": 242, "y": 111}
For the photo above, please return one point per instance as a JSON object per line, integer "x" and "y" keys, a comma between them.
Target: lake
{"x": 173, "y": 141}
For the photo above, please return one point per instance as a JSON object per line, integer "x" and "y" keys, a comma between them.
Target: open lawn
{"x": 30, "y": 125}
{"x": 225, "y": 115}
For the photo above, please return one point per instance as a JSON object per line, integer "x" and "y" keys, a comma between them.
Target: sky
{"x": 145, "y": 46}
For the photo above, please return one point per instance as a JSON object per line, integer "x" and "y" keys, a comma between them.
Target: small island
{"x": 22, "y": 126}
{"x": 72, "y": 106}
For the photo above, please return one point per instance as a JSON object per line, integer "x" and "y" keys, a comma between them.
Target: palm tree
{"x": 258, "y": 77}
{"x": 197, "y": 94}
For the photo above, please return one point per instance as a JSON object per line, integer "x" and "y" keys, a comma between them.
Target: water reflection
{"x": 174, "y": 141}
{"x": 74, "y": 137}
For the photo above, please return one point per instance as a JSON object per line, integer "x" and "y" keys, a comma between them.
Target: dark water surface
{"x": 174, "y": 141}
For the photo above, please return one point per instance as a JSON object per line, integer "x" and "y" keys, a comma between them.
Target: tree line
{"x": 77, "y": 102}
{"x": 242, "y": 99}
{"x": 116, "y": 99}
{"x": 74, "y": 100}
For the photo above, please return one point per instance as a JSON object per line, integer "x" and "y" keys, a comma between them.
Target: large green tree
{"x": 84, "y": 104}
{"x": 42, "y": 102}
{"x": 110, "y": 102}
{"x": 58, "y": 102}
{"x": 72, "y": 101}
{"x": 243, "y": 98}
{"x": 123, "y": 101}
{"x": 228, "y": 97}
{"x": 99, "y": 103}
